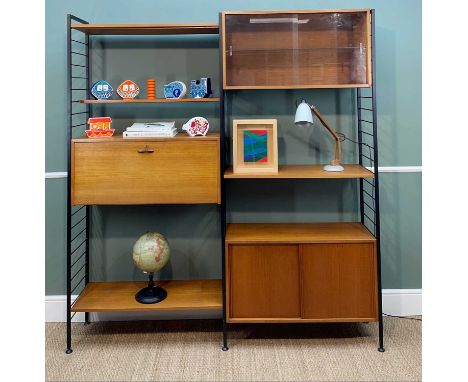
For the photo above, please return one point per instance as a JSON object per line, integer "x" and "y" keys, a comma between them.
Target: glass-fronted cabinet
{"x": 296, "y": 49}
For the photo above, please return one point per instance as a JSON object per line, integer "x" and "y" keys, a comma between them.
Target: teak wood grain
{"x": 145, "y": 171}
{"x": 264, "y": 281}
{"x": 299, "y": 171}
{"x": 327, "y": 271}
{"x": 314, "y": 54}
{"x": 245, "y": 233}
{"x": 312, "y": 11}
{"x": 211, "y": 136}
{"x": 120, "y": 296}
{"x": 145, "y": 100}
{"x": 339, "y": 281}
{"x": 147, "y": 29}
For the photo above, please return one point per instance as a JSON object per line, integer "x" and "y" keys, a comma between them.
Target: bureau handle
{"x": 146, "y": 150}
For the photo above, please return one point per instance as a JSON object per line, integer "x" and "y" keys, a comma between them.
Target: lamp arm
{"x": 335, "y": 136}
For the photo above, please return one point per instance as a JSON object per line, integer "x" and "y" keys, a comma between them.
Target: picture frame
{"x": 255, "y": 146}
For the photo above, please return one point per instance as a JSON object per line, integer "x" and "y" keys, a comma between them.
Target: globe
{"x": 151, "y": 252}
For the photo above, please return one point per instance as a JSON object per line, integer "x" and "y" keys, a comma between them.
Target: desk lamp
{"x": 304, "y": 118}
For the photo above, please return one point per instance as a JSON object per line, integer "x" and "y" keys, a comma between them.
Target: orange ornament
{"x": 99, "y": 127}
{"x": 128, "y": 89}
{"x": 151, "y": 88}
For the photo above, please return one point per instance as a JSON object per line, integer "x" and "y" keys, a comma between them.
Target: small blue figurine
{"x": 175, "y": 89}
{"x": 102, "y": 90}
{"x": 200, "y": 88}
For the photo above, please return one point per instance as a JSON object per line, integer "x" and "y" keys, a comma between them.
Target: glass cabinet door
{"x": 296, "y": 49}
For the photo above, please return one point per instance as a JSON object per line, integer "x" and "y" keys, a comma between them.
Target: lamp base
{"x": 332, "y": 168}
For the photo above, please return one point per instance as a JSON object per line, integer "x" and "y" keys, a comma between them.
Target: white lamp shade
{"x": 303, "y": 115}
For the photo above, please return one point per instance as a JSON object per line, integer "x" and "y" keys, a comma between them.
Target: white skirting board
{"x": 397, "y": 302}
{"x": 402, "y": 302}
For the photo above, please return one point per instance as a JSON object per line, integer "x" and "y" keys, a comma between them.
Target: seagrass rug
{"x": 190, "y": 350}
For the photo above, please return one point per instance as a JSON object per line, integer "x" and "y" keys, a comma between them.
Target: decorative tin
{"x": 128, "y": 89}
{"x": 99, "y": 127}
{"x": 175, "y": 89}
{"x": 196, "y": 126}
{"x": 200, "y": 88}
{"x": 102, "y": 90}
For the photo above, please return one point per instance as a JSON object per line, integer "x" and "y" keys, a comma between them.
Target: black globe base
{"x": 382, "y": 350}
{"x": 69, "y": 351}
{"x": 225, "y": 348}
{"x": 151, "y": 295}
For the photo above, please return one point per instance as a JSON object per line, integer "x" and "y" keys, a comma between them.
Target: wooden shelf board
{"x": 297, "y": 320}
{"x": 247, "y": 233}
{"x": 157, "y": 100}
{"x": 315, "y": 171}
{"x": 147, "y": 29}
{"x": 316, "y": 86}
{"x": 120, "y": 296}
{"x": 295, "y": 11}
{"x": 181, "y": 136}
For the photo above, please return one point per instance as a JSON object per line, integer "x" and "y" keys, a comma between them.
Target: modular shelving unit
{"x": 301, "y": 50}
{"x": 83, "y": 296}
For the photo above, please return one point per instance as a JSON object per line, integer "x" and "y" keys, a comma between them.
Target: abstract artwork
{"x": 256, "y": 146}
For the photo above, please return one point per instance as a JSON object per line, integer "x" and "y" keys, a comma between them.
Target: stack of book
{"x": 151, "y": 129}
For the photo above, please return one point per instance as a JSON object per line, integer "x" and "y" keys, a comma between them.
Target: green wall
{"x": 193, "y": 231}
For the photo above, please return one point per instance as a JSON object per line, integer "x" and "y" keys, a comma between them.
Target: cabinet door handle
{"x": 146, "y": 150}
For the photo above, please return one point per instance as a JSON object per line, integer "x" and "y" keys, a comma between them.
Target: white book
{"x": 150, "y": 128}
{"x": 163, "y": 126}
{"x": 150, "y": 134}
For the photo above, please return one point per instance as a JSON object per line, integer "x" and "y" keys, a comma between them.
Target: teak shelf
{"x": 351, "y": 171}
{"x": 181, "y": 136}
{"x": 142, "y": 100}
{"x": 120, "y": 296}
{"x": 248, "y": 233}
{"x": 147, "y": 29}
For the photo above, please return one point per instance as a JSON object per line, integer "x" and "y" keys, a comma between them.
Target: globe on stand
{"x": 150, "y": 254}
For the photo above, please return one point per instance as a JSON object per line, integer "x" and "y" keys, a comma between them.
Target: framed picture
{"x": 255, "y": 146}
